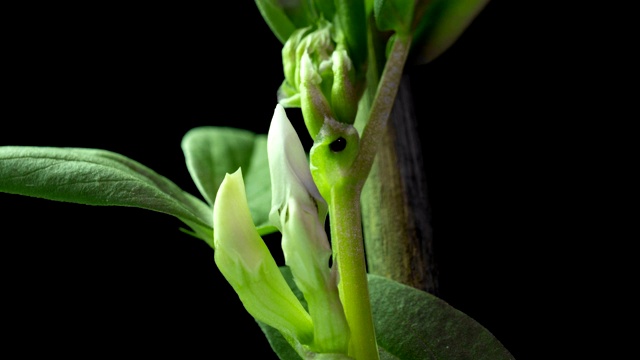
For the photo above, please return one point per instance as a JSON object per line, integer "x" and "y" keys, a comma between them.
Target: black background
{"x": 135, "y": 79}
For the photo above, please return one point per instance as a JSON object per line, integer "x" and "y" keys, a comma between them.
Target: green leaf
{"x": 439, "y": 24}
{"x": 411, "y": 325}
{"x": 97, "y": 177}
{"x": 211, "y": 152}
{"x": 283, "y": 17}
{"x": 350, "y": 18}
{"x": 275, "y": 17}
{"x": 278, "y": 343}
{"x": 396, "y": 15}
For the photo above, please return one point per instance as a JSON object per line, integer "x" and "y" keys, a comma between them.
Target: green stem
{"x": 346, "y": 229}
{"x": 381, "y": 107}
{"x": 345, "y": 212}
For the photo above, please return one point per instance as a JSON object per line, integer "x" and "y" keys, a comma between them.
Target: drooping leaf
{"x": 97, "y": 177}
{"x": 212, "y": 151}
{"x": 412, "y": 325}
{"x": 439, "y": 23}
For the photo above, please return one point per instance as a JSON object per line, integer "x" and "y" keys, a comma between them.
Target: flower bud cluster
{"x": 319, "y": 76}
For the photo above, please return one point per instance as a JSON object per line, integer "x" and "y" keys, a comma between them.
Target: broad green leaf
{"x": 439, "y": 24}
{"x": 97, "y": 177}
{"x": 211, "y": 152}
{"x": 412, "y": 325}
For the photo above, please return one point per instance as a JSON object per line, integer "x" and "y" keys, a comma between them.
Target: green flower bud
{"x": 246, "y": 263}
{"x": 299, "y": 212}
{"x": 315, "y": 106}
{"x": 291, "y": 57}
{"x": 344, "y": 96}
{"x": 319, "y": 76}
{"x": 289, "y": 168}
{"x": 317, "y": 43}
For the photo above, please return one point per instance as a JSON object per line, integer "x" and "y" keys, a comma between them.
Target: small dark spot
{"x": 338, "y": 144}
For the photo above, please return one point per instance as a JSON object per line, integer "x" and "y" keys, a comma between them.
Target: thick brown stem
{"x": 396, "y": 214}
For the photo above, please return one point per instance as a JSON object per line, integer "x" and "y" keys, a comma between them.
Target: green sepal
{"x": 344, "y": 94}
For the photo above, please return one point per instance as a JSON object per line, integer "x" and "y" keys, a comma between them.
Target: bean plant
{"x": 342, "y": 64}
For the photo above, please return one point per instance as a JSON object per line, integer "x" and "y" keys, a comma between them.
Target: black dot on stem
{"x": 338, "y": 144}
